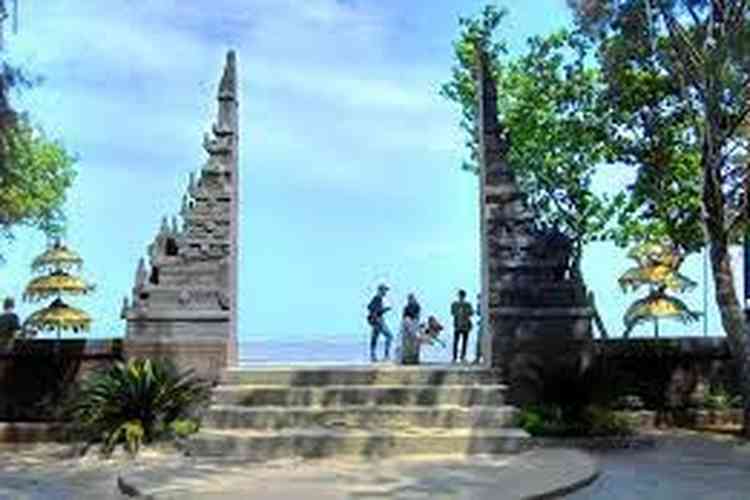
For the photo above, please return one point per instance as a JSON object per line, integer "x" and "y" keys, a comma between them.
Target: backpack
{"x": 372, "y": 316}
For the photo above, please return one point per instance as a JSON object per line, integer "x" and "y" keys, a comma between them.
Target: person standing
{"x": 461, "y": 311}
{"x": 409, "y": 352}
{"x": 10, "y": 325}
{"x": 480, "y": 330}
{"x": 412, "y": 309}
{"x": 376, "y": 310}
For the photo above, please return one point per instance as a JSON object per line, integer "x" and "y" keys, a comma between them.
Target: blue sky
{"x": 349, "y": 157}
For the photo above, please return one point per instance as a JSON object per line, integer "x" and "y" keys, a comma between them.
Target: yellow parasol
{"x": 658, "y": 265}
{"x": 54, "y": 284}
{"x": 59, "y": 316}
{"x": 658, "y": 305}
{"x": 56, "y": 257}
{"x": 55, "y": 263}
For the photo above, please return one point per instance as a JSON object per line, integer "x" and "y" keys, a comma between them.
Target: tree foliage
{"x": 35, "y": 176}
{"x": 549, "y": 100}
{"x": 651, "y": 131}
{"x": 702, "y": 46}
{"x": 35, "y": 172}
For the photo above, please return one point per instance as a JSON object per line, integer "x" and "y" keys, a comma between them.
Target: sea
{"x": 267, "y": 350}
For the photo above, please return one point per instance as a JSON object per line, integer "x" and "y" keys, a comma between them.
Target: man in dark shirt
{"x": 412, "y": 308}
{"x": 462, "y": 312}
{"x": 10, "y": 325}
{"x": 376, "y": 310}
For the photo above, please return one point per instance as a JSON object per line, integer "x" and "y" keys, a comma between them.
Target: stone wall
{"x": 665, "y": 373}
{"x": 34, "y": 374}
{"x": 207, "y": 358}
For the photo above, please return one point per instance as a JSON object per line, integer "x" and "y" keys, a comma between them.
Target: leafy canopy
{"x": 549, "y": 101}
{"x": 34, "y": 178}
{"x": 35, "y": 172}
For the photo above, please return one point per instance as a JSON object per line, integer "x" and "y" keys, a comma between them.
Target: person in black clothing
{"x": 412, "y": 308}
{"x": 462, "y": 312}
{"x": 10, "y": 325}
{"x": 376, "y": 310}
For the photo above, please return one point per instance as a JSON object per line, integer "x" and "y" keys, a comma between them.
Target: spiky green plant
{"x": 134, "y": 402}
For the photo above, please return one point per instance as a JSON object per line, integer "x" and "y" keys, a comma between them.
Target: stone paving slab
{"x": 347, "y": 374}
{"x": 535, "y": 474}
{"x": 683, "y": 465}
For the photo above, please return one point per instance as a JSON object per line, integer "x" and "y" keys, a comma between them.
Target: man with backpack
{"x": 376, "y": 309}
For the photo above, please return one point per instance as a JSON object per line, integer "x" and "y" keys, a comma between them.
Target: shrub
{"x": 183, "y": 427}
{"x": 600, "y": 421}
{"x": 592, "y": 421}
{"x": 630, "y": 402}
{"x": 718, "y": 398}
{"x": 135, "y": 403}
{"x": 532, "y": 420}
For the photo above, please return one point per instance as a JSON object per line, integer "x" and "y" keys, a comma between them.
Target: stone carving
{"x": 185, "y": 298}
{"x": 223, "y": 300}
{"x": 538, "y": 319}
{"x": 517, "y": 248}
{"x": 190, "y": 289}
{"x": 140, "y": 275}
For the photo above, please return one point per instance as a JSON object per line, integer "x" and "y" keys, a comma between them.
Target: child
{"x": 431, "y": 332}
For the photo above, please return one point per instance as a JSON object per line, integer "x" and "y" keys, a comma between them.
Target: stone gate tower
{"x": 184, "y": 301}
{"x": 539, "y": 319}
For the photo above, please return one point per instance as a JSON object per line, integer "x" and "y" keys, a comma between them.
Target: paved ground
{"x": 528, "y": 475}
{"x": 50, "y": 471}
{"x": 681, "y": 467}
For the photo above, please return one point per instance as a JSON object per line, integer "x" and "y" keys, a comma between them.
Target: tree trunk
{"x": 731, "y": 311}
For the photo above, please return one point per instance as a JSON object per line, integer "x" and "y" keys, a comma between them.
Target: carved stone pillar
{"x": 538, "y": 318}
{"x": 187, "y": 309}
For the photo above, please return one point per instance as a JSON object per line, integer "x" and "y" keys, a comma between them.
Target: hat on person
{"x": 383, "y": 287}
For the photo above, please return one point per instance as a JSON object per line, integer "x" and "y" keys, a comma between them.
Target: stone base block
{"x": 208, "y": 359}
{"x": 542, "y": 353}
{"x": 31, "y": 432}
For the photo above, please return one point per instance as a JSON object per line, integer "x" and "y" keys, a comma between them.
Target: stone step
{"x": 350, "y": 395}
{"x": 360, "y": 375}
{"x": 319, "y": 443}
{"x": 358, "y": 417}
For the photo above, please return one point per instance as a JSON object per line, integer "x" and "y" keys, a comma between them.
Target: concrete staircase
{"x": 267, "y": 413}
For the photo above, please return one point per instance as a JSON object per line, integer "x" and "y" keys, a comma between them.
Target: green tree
{"x": 704, "y": 48}
{"x": 35, "y": 172}
{"x": 34, "y": 180}
{"x": 650, "y": 131}
{"x": 549, "y": 100}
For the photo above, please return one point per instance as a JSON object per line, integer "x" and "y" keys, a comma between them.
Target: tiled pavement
{"x": 684, "y": 466}
{"x": 528, "y": 475}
